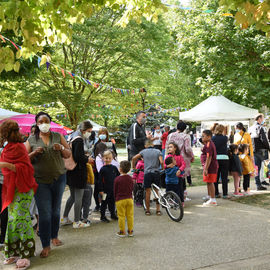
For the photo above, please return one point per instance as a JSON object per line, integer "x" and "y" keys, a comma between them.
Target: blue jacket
{"x": 171, "y": 177}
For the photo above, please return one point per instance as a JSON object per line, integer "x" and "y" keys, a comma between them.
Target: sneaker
{"x": 104, "y": 219}
{"x": 226, "y": 197}
{"x": 218, "y": 196}
{"x": 130, "y": 233}
{"x": 96, "y": 209}
{"x": 209, "y": 203}
{"x": 261, "y": 188}
{"x": 65, "y": 221}
{"x": 238, "y": 194}
{"x": 121, "y": 234}
{"x": 206, "y": 198}
{"x": 187, "y": 199}
{"x": 87, "y": 221}
{"x": 265, "y": 183}
{"x": 138, "y": 204}
{"x": 114, "y": 217}
{"x": 79, "y": 224}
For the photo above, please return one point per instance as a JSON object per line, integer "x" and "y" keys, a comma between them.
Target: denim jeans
{"x": 86, "y": 201}
{"x": 258, "y": 159}
{"x": 48, "y": 199}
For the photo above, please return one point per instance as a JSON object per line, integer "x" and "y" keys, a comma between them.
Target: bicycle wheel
{"x": 174, "y": 207}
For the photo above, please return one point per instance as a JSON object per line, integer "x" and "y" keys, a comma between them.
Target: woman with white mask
{"x": 77, "y": 178}
{"x": 46, "y": 150}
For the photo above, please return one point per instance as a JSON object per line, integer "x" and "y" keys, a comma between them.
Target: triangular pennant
{"x": 70, "y": 75}
{"x": 38, "y": 61}
{"x": 48, "y": 65}
{"x": 14, "y": 44}
{"x": 2, "y": 39}
{"x": 63, "y": 72}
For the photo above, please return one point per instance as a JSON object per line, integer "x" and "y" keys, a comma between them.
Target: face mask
{"x": 44, "y": 128}
{"x": 102, "y": 137}
{"x": 5, "y": 143}
{"x": 237, "y": 130}
{"x": 157, "y": 130}
{"x": 262, "y": 122}
{"x": 143, "y": 121}
{"x": 86, "y": 135}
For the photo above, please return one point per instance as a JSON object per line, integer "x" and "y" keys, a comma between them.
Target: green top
{"x": 49, "y": 165}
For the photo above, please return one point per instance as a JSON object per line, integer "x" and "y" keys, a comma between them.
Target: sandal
{"x": 147, "y": 213}
{"x": 45, "y": 252}
{"x": 22, "y": 264}
{"x": 158, "y": 213}
{"x": 11, "y": 260}
{"x": 57, "y": 243}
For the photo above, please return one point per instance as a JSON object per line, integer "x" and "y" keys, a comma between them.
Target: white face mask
{"x": 86, "y": 135}
{"x": 44, "y": 128}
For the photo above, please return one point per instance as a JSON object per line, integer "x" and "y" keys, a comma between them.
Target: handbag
{"x": 90, "y": 174}
{"x": 70, "y": 164}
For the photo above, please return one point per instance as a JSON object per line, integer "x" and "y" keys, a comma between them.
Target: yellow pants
{"x": 125, "y": 209}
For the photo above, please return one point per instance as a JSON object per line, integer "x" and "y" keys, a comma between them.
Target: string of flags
{"x": 203, "y": 11}
{"x": 45, "y": 59}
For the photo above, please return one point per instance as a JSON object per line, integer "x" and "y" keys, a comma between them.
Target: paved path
{"x": 229, "y": 236}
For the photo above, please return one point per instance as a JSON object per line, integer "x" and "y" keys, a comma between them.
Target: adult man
{"x": 260, "y": 146}
{"x": 137, "y": 136}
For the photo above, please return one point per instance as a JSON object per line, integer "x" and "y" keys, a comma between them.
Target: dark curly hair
{"x": 177, "y": 150}
{"x": 37, "y": 131}
{"x": 10, "y": 132}
{"x": 181, "y": 126}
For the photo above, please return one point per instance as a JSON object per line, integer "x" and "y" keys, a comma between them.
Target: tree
{"x": 37, "y": 22}
{"x": 249, "y": 13}
{"x": 219, "y": 58}
{"x": 129, "y": 57}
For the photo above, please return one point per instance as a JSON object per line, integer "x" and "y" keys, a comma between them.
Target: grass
{"x": 197, "y": 172}
{"x": 261, "y": 200}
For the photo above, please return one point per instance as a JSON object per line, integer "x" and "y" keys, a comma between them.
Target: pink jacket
{"x": 140, "y": 175}
{"x": 180, "y": 162}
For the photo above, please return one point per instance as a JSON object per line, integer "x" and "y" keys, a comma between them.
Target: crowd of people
{"x": 36, "y": 172}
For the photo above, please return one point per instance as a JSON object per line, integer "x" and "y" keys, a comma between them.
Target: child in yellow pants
{"x": 123, "y": 187}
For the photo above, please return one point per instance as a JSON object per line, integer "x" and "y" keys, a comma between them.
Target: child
{"x": 107, "y": 175}
{"x": 235, "y": 168}
{"x": 210, "y": 166}
{"x": 123, "y": 187}
{"x": 138, "y": 176}
{"x": 247, "y": 165}
{"x": 172, "y": 173}
{"x": 173, "y": 151}
{"x": 152, "y": 160}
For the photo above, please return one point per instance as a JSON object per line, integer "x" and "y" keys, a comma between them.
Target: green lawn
{"x": 262, "y": 200}
{"x": 196, "y": 172}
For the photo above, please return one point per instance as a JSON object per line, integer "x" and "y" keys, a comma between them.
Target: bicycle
{"x": 169, "y": 200}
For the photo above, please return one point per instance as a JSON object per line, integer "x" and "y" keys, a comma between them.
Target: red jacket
{"x": 164, "y": 139}
{"x": 23, "y": 179}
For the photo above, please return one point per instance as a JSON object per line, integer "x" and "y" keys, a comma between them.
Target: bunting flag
{"x": 83, "y": 80}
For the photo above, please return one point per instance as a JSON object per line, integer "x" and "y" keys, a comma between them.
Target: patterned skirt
{"x": 19, "y": 241}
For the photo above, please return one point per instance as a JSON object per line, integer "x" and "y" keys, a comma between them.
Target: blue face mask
{"x": 102, "y": 137}
{"x": 5, "y": 143}
{"x": 262, "y": 122}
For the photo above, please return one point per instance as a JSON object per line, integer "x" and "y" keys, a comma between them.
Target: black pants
{"x": 189, "y": 180}
{"x": 3, "y": 218}
{"x": 96, "y": 191}
{"x": 174, "y": 188}
{"x": 246, "y": 182}
{"x": 181, "y": 188}
{"x": 223, "y": 172}
{"x": 111, "y": 205}
{"x": 138, "y": 192}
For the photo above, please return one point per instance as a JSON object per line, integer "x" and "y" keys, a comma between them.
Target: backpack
{"x": 70, "y": 164}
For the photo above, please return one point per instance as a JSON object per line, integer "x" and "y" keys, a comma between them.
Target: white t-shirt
{"x": 157, "y": 141}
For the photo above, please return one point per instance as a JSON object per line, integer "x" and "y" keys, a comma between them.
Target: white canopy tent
{"x": 218, "y": 109}
{"x": 5, "y": 113}
{"x": 96, "y": 126}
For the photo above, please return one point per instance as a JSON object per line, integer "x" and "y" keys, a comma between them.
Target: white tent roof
{"x": 218, "y": 108}
{"x": 96, "y": 126}
{"x": 5, "y": 113}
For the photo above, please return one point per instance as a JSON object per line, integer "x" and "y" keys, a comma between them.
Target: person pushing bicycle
{"x": 152, "y": 161}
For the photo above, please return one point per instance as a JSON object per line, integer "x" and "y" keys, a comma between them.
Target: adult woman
{"x": 221, "y": 143}
{"x": 18, "y": 190}
{"x": 243, "y": 137}
{"x": 77, "y": 178}
{"x": 184, "y": 145}
{"x": 46, "y": 150}
{"x": 103, "y": 136}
